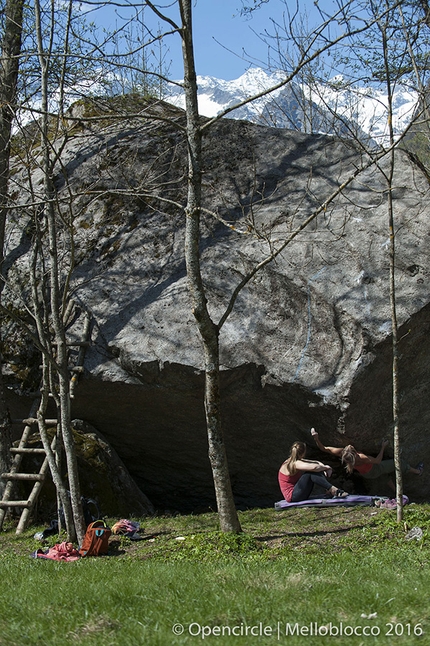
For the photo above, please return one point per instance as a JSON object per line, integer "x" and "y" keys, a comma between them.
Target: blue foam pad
{"x": 349, "y": 501}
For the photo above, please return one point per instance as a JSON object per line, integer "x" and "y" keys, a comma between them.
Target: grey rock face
{"x": 308, "y": 340}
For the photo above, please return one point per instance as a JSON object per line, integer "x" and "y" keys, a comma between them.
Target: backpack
{"x": 96, "y": 539}
{"x": 90, "y": 510}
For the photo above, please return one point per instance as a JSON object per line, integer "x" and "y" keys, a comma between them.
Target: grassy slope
{"x": 286, "y": 572}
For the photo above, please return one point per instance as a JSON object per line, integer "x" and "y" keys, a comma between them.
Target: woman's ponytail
{"x": 298, "y": 451}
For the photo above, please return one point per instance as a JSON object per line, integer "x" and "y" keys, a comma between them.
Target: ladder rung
{"x": 77, "y": 344}
{"x": 16, "y": 449}
{"x": 15, "y": 503}
{"x": 23, "y": 421}
{"x": 32, "y": 421}
{"x": 34, "y": 477}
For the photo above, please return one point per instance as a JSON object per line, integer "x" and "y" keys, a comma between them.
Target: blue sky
{"x": 221, "y": 36}
{"x": 226, "y": 43}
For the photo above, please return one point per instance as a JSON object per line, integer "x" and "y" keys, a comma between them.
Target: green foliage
{"x": 211, "y": 546}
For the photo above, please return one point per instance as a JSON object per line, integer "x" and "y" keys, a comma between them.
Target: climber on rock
{"x": 368, "y": 466}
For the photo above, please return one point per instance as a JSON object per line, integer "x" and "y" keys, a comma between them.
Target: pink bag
{"x": 391, "y": 503}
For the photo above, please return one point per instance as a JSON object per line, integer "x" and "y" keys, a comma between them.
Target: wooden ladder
{"x": 22, "y": 449}
{"x": 16, "y": 475}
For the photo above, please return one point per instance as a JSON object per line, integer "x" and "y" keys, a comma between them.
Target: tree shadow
{"x": 311, "y": 534}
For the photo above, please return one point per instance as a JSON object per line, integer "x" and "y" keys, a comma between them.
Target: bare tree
{"x": 56, "y": 59}
{"x": 49, "y": 291}
{"x": 209, "y": 330}
{"x": 56, "y": 300}
{"x": 395, "y": 65}
{"x": 9, "y": 66}
{"x": 392, "y": 64}
{"x": 384, "y": 27}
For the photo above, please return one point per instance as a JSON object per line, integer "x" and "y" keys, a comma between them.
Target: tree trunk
{"x": 393, "y": 309}
{"x": 10, "y": 50}
{"x": 209, "y": 332}
{"x": 395, "y": 356}
{"x": 39, "y": 288}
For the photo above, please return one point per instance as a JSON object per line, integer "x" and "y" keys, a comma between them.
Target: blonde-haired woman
{"x": 298, "y": 476}
{"x": 367, "y": 466}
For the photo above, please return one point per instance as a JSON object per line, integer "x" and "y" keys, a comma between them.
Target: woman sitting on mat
{"x": 297, "y": 476}
{"x": 365, "y": 465}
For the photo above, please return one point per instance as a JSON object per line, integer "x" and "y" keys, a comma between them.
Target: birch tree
{"x": 9, "y": 66}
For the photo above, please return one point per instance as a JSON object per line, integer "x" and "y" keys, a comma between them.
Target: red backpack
{"x": 96, "y": 539}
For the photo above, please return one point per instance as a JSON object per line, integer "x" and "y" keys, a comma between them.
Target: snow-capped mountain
{"x": 330, "y": 108}
{"x": 362, "y": 111}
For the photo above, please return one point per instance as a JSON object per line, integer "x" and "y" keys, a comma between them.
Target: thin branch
{"x": 274, "y": 254}
{"x": 306, "y": 59}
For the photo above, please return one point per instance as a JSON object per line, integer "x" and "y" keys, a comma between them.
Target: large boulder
{"x": 103, "y": 477}
{"x": 308, "y": 342}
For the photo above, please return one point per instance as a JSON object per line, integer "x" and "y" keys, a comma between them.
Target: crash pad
{"x": 349, "y": 501}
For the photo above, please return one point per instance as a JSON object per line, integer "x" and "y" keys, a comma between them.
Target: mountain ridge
{"x": 362, "y": 111}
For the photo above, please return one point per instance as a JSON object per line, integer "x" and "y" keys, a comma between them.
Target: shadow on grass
{"x": 322, "y": 532}
{"x": 120, "y": 545}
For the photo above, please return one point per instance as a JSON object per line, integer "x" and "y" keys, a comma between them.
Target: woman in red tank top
{"x": 298, "y": 476}
{"x": 367, "y": 466}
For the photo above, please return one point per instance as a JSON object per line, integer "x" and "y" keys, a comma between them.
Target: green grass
{"x": 313, "y": 571}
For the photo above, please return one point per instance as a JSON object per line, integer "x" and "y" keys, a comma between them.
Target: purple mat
{"x": 349, "y": 501}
